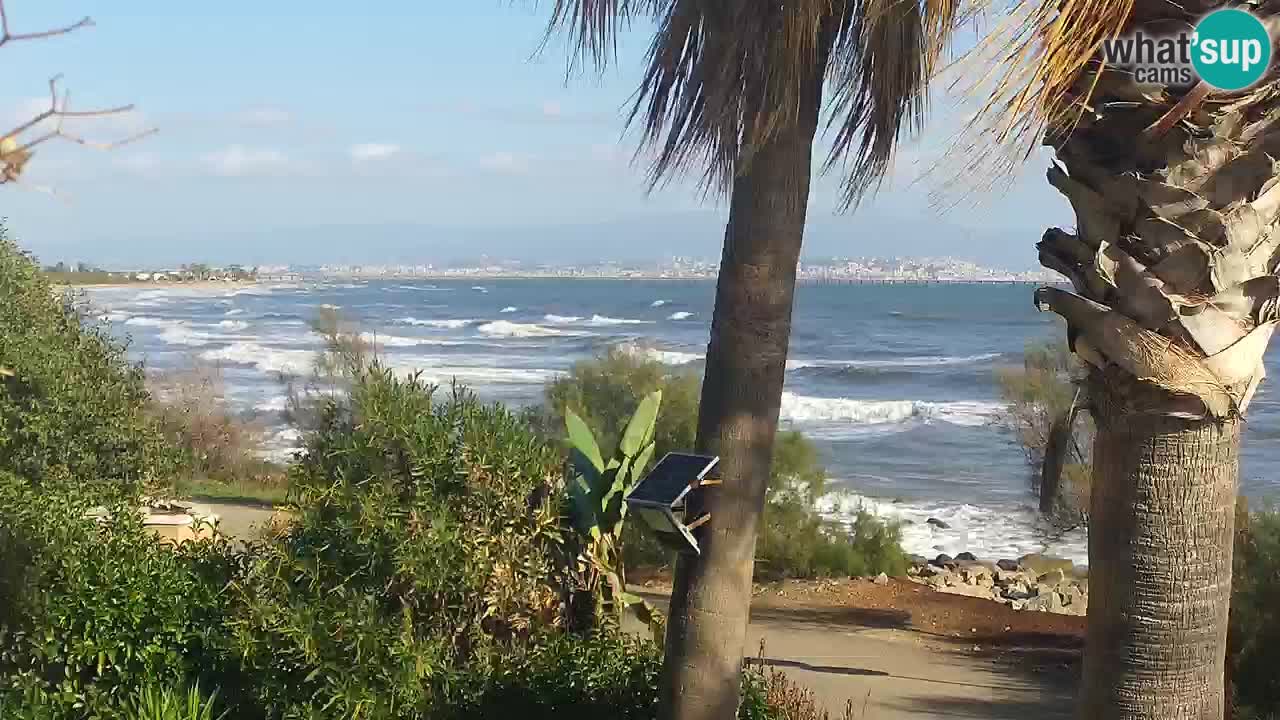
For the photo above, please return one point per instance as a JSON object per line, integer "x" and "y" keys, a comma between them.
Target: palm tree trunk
{"x": 738, "y": 419}
{"x": 1160, "y": 538}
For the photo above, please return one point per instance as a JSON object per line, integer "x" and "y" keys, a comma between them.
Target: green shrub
{"x": 91, "y": 613}
{"x": 426, "y": 544}
{"x": 72, "y": 407}
{"x": 794, "y": 540}
{"x": 565, "y": 677}
{"x": 1254, "y": 646}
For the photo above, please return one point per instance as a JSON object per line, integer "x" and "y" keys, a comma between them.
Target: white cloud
{"x": 505, "y": 162}
{"x": 372, "y": 151}
{"x": 237, "y": 160}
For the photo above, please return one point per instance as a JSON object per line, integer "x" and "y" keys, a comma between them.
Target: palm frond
{"x": 724, "y": 78}
{"x": 885, "y": 56}
{"x": 1045, "y": 54}
{"x": 593, "y": 25}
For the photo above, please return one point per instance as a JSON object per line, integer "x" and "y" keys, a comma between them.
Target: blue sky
{"x": 397, "y": 131}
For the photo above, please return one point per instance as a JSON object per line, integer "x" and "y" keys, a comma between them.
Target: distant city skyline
{"x": 449, "y": 134}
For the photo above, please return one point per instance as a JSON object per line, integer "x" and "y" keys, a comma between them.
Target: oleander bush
{"x": 92, "y": 612}
{"x": 73, "y": 409}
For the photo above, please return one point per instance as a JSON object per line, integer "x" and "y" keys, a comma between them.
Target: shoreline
{"x": 158, "y": 285}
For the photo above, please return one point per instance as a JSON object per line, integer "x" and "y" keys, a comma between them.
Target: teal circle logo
{"x": 1232, "y": 50}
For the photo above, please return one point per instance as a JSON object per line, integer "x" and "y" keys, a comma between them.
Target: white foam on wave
{"x": 989, "y": 532}
{"x": 604, "y": 321}
{"x": 474, "y": 375}
{"x": 451, "y": 324}
{"x": 673, "y": 357}
{"x": 274, "y": 404}
{"x": 181, "y": 334}
{"x": 904, "y": 362}
{"x": 666, "y": 357}
{"x": 593, "y": 321}
{"x": 682, "y": 315}
{"x": 503, "y": 328}
{"x": 145, "y": 321}
{"x": 233, "y": 324}
{"x": 269, "y": 359}
{"x": 834, "y": 417}
{"x": 658, "y": 303}
{"x": 561, "y": 319}
{"x": 480, "y": 288}
{"x": 509, "y": 309}
{"x": 282, "y": 444}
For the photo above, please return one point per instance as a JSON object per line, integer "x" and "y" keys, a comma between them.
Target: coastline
{"x": 154, "y": 285}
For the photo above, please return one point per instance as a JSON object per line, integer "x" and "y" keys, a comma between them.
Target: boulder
{"x": 1053, "y": 577}
{"x": 1017, "y": 591}
{"x": 1046, "y": 602}
{"x": 968, "y": 591}
{"x": 966, "y": 557}
{"x": 881, "y": 579}
{"x": 976, "y": 575}
{"x": 1010, "y": 565}
{"x": 939, "y": 580}
{"x": 1005, "y": 577}
{"x": 1041, "y": 564}
{"x": 944, "y": 560}
{"x": 917, "y": 561}
{"x": 938, "y": 524}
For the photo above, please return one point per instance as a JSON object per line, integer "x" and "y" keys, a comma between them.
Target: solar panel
{"x": 669, "y": 480}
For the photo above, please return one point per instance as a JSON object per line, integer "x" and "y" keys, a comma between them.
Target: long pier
{"x": 909, "y": 281}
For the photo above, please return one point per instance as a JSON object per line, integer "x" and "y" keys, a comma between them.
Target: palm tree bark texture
{"x": 1175, "y": 300}
{"x": 738, "y": 419}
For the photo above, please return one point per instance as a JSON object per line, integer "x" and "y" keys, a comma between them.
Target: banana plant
{"x": 597, "y": 490}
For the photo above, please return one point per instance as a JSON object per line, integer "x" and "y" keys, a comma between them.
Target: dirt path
{"x": 239, "y": 521}
{"x": 902, "y": 651}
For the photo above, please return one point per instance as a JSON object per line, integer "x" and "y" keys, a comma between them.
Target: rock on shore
{"x": 1033, "y": 582}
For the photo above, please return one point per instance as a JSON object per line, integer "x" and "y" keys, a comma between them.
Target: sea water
{"x": 896, "y": 384}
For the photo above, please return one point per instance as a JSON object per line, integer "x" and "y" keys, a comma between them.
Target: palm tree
{"x": 734, "y": 90}
{"x": 1175, "y": 299}
{"x": 1172, "y": 264}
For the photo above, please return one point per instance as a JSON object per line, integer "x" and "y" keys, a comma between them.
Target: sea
{"x": 895, "y": 383}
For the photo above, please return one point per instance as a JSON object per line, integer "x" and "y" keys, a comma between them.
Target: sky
{"x": 402, "y": 132}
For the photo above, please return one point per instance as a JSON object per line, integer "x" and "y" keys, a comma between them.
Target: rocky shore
{"x": 1033, "y": 583}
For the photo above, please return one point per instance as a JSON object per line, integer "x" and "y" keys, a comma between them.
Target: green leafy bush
{"x": 427, "y": 542}
{"x": 72, "y": 407}
{"x": 91, "y": 613}
{"x": 794, "y": 541}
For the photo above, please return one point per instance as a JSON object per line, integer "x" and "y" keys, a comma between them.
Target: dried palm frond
{"x": 1036, "y": 70}
{"x": 726, "y": 77}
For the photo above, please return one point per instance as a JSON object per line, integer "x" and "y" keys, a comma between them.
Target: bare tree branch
{"x": 6, "y": 35}
{"x": 15, "y": 152}
{"x": 13, "y": 157}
